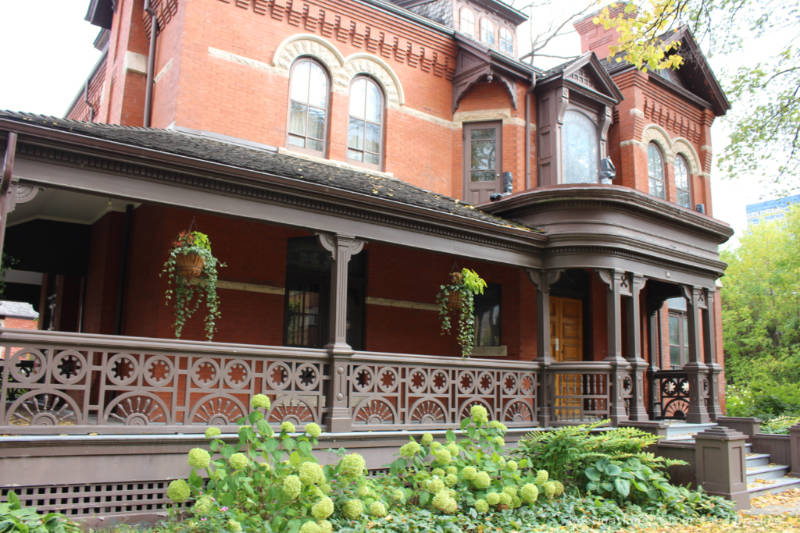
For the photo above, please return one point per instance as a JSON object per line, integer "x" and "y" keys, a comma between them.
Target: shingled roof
{"x": 267, "y": 159}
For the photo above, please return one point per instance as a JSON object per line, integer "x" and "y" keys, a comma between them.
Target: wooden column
{"x": 617, "y": 283}
{"x": 633, "y": 351}
{"x": 342, "y": 248}
{"x": 654, "y": 335}
{"x": 5, "y": 185}
{"x": 710, "y": 349}
{"x": 543, "y": 279}
{"x": 696, "y": 367}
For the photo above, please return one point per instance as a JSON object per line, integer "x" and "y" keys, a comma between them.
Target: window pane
{"x": 581, "y": 148}
{"x": 316, "y": 123}
{"x": 297, "y": 118}
{"x": 482, "y": 133}
{"x": 355, "y": 155}
{"x": 467, "y": 22}
{"x": 373, "y": 138}
{"x": 318, "y": 87}
{"x": 314, "y": 144}
{"x": 487, "y": 317}
{"x": 674, "y": 330}
{"x": 355, "y": 134}
{"x": 655, "y": 170}
{"x": 682, "y": 181}
{"x": 374, "y": 105}
{"x": 506, "y": 41}
{"x": 487, "y": 32}
{"x": 675, "y": 357}
{"x": 357, "y": 97}
{"x": 482, "y": 175}
{"x": 483, "y": 155}
{"x": 298, "y": 89}
{"x": 373, "y": 159}
{"x": 297, "y": 141}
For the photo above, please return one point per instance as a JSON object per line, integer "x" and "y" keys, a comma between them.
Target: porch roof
{"x": 267, "y": 160}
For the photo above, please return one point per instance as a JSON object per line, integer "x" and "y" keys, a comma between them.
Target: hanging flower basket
{"x": 189, "y": 265}
{"x": 457, "y": 299}
{"x": 191, "y": 271}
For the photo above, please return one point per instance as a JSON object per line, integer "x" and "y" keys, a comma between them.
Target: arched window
{"x": 467, "y": 22}
{"x": 365, "y": 130}
{"x": 308, "y": 106}
{"x": 581, "y": 151}
{"x": 506, "y": 41}
{"x": 655, "y": 170}
{"x": 487, "y": 31}
{"x": 682, "y": 182}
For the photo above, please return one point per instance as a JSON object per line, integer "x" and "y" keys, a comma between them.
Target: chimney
{"x": 594, "y": 37}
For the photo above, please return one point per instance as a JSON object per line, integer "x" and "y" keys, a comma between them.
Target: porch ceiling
{"x": 63, "y": 206}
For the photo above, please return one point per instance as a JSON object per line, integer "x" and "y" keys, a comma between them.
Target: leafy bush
{"x": 15, "y": 518}
{"x": 779, "y": 425}
{"x": 568, "y": 451}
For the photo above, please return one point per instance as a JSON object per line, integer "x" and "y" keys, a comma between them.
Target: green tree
{"x": 761, "y": 318}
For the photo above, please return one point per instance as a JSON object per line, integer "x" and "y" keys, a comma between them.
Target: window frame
{"x": 592, "y": 118}
{"x": 500, "y": 40}
{"x": 327, "y": 110}
{"x": 651, "y": 179}
{"x": 461, "y": 12}
{"x": 687, "y": 191}
{"x": 381, "y": 125}
{"x": 491, "y": 298}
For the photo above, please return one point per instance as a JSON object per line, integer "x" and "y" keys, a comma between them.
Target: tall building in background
{"x": 770, "y": 209}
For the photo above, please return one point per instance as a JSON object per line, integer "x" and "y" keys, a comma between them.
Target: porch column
{"x": 710, "y": 349}
{"x": 342, "y": 248}
{"x": 696, "y": 367}
{"x": 654, "y": 335}
{"x": 618, "y": 284}
{"x": 543, "y": 279}
{"x": 5, "y": 184}
{"x": 633, "y": 351}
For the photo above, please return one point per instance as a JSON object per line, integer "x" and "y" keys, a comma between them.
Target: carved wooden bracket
{"x": 543, "y": 279}
{"x": 619, "y": 280}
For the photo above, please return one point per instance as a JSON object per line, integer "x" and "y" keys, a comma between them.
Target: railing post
{"x": 543, "y": 279}
{"x": 696, "y": 368}
{"x": 709, "y": 347}
{"x": 338, "y": 408}
{"x": 617, "y": 283}
{"x": 633, "y": 350}
{"x": 794, "y": 450}
{"x": 720, "y": 464}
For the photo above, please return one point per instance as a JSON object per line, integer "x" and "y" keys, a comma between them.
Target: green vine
{"x": 458, "y": 297}
{"x": 187, "y": 294}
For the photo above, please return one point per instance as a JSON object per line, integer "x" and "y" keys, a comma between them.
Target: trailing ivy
{"x": 460, "y": 293}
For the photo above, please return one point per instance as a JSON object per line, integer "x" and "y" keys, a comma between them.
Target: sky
{"x": 48, "y": 54}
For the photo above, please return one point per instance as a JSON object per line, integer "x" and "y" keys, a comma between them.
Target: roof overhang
{"x": 603, "y": 89}
{"x": 100, "y": 13}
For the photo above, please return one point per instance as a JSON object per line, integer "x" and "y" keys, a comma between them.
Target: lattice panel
{"x": 385, "y": 396}
{"x": 96, "y": 498}
{"x": 61, "y": 386}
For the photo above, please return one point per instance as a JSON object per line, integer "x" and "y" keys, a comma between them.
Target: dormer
{"x": 574, "y": 102}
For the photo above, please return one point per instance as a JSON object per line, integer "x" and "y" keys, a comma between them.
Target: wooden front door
{"x": 566, "y": 344}
{"x": 482, "y": 160}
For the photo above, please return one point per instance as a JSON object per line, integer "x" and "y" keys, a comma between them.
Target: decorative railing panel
{"x": 83, "y": 382}
{"x": 409, "y": 391}
{"x": 671, "y": 390}
{"x": 581, "y": 391}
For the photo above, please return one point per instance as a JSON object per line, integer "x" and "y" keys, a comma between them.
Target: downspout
{"x": 151, "y": 59}
{"x": 86, "y": 100}
{"x": 528, "y": 95}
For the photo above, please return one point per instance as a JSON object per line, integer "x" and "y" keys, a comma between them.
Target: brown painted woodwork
{"x": 566, "y": 329}
{"x": 483, "y": 157}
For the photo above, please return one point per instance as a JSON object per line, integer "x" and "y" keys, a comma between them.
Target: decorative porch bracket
{"x": 543, "y": 280}
{"x": 696, "y": 368}
{"x": 633, "y": 351}
{"x": 618, "y": 284}
{"x": 342, "y": 248}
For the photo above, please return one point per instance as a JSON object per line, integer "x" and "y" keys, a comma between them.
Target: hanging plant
{"x": 458, "y": 298}
{"x": 191, "y": 271}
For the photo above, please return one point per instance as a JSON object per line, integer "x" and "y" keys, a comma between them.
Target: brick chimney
{"x": 594, "y": 37}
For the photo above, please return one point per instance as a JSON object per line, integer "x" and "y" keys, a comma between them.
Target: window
{"x": 655, "y": 170}
{"x": 487, "y": 316}
{"x": 307, "y": 301}
{"x": 506, "y": 41}
{"x": 481, "y": 161}
{"x": 682, "y": 181}
{"x": 365, "y": 130}
{"x": 678, "y": 333}
{"x": 487, "y": 32}
{"x": 467, "y": 23}
{"x": 581, "y": 148}
{"x": 308, "y": 106}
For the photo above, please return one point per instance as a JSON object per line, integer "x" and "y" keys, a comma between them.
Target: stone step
{"x": 773, "y": 486}
{"x": 757, "y": 459}
{"x": 767, "y": 472}
{"x": 685, "y": 430}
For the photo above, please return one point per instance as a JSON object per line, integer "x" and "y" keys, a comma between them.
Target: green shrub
{"x": 15, "y": 518}
{"x": 779, "y": 425}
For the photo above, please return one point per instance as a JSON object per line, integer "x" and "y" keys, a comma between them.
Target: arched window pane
{"x": 506, "y": 41}
{"x": 467, "y": 24}
{"x": 365, "y": 128}
{"x": 581, "y": 148}
{"x": 682, "y": 182}
{"x": 655, "y": 170}
{"x": 487, "y": 32}
{"x": 308, "y": 106}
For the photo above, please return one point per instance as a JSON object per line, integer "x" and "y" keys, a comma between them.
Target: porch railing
{"x": 671, "y": 394}
{"x": 581, "y": 391}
